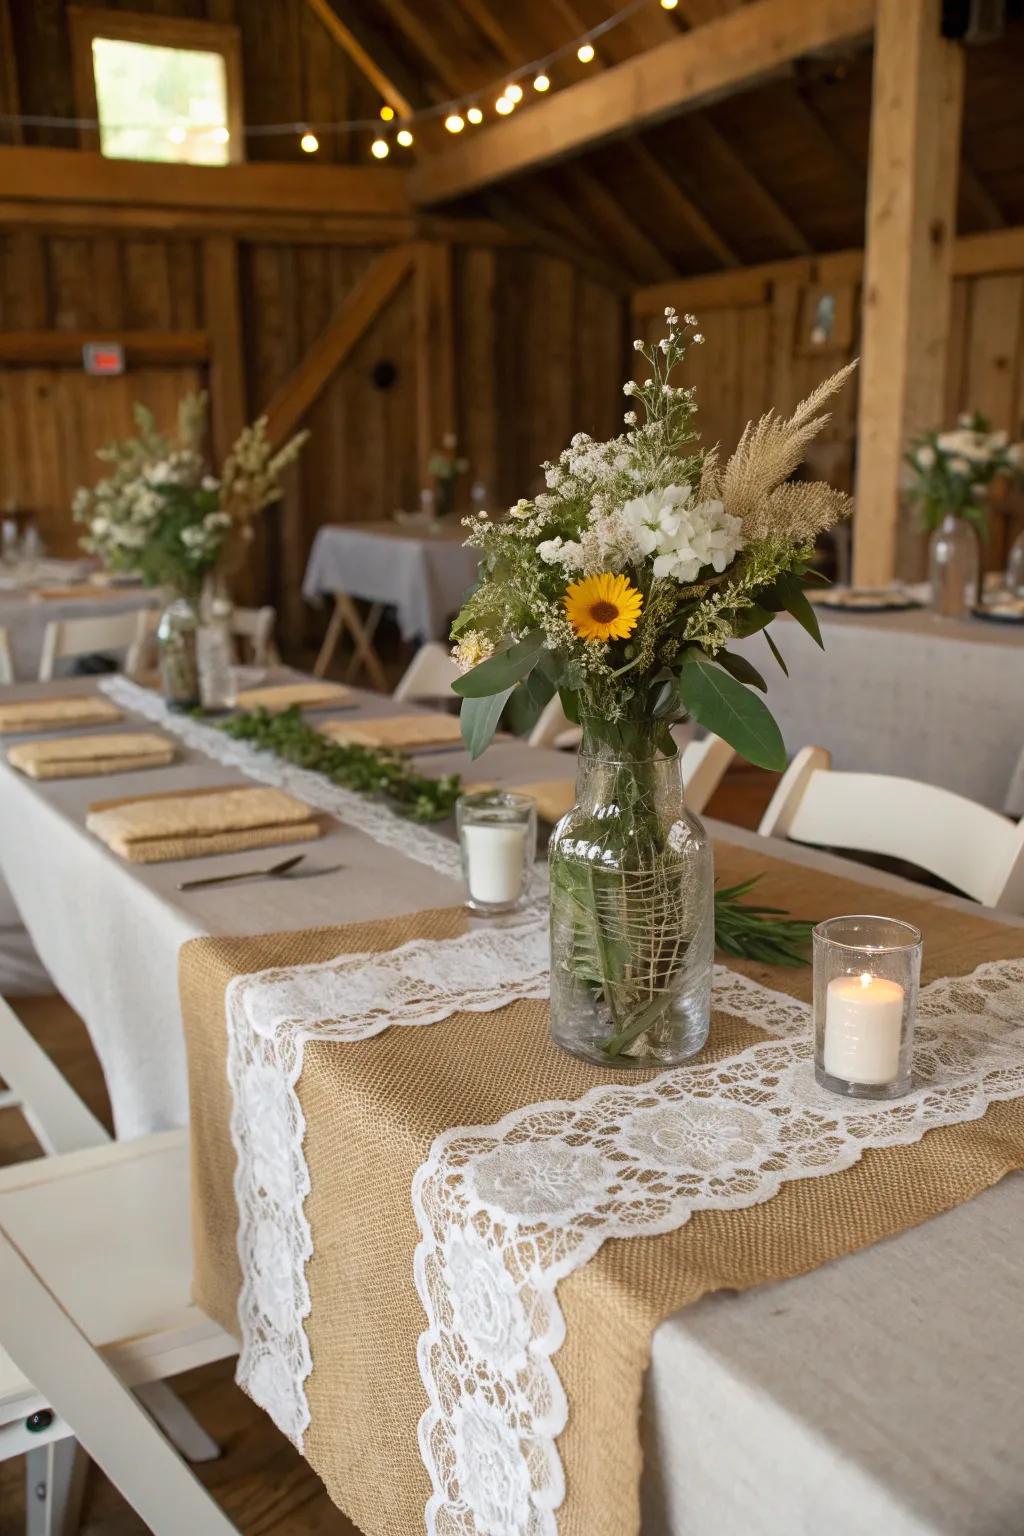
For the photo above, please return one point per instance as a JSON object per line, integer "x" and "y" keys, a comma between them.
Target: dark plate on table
{"x": 1011, "y": 611}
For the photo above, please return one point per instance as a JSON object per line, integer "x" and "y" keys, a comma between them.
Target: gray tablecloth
{"x": 936, "y": 699}
{"x": 882, "y": 1394}
{"x": 424, "y": 576}
{"x": 25, "y": 619}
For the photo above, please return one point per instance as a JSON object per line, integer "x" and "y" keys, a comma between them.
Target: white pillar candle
{"x": 495, "y": 857}
{"x": 863, "y": 1028}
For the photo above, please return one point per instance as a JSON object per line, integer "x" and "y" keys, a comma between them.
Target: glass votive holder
{"x": 498, "y": 839}
{"x": 866, "y": 975}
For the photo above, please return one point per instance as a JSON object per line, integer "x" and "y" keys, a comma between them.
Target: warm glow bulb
{"x": 380, "y": 149}
{"x": 542, "y": 83}
{"x": 669, "y": 5}
{"x": 387, "y": 114}
{"x": 454, "y": 123}
{"x": 585, "y": 53}
{"x": 310, "y": 143}
{"x": 475, "y": 115}
{"x": 514, "y": 92}
{"x": 404, "y": 137}
{"x": 504, "y": 106}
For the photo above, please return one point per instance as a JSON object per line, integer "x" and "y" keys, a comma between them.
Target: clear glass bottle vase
{"x": 176, "y": 643}
{"x": 954, "y": 566}
{"x": 632, "y": 908}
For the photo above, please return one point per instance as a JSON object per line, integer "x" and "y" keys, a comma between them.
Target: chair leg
{"x": 182, "y": 1429}
{"x": 335, "y": 629}
{"x": 54, "y": 1486}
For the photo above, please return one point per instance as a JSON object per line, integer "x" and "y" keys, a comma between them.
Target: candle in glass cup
{"x": 863, "y": 1028}
{"x": 494, "y": 862}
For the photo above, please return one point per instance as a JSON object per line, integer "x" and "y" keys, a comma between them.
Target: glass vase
{"x": 632, "y": 909}
{"x": 1015, "y": 567}
{"x": 954, "y": 566}
{"x": 176, "y": 638}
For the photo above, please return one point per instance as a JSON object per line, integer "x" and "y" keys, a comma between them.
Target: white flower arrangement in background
{"x": 160, "y": 513}
{"x": 950, "y": 472}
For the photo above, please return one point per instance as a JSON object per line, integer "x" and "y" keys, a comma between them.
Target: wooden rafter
{"x": 412, "y": 21}
{"x": 538, "y": 216}
{"x": 642, "y": 255}
{"x": 362, "y": 305}
{"x": 686, "y": 72}
{"x": 487, "y": 24}
{"x": 371, "y": 53}
{"x": 752, "y": 188}
{"x": 673, "y": 196}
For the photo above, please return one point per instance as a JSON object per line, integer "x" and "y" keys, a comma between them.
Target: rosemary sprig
{"x": 388, "y": 775}
{"x": 759, "y": 933}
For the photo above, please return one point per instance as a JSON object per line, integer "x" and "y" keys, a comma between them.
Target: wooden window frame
{"x": 87, "y": 22}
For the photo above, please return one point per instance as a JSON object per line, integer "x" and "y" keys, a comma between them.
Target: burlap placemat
{"x": 156, "y": 828}
{"x": 86, "y": 757}
{"x": 43, "y": 714}
{"x": 401, "y": 732}
{"x": 372, "y": 1110}
{"x": 276, "y": 697}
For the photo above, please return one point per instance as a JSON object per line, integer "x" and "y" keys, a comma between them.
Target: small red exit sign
{"x": 103, "y": 357}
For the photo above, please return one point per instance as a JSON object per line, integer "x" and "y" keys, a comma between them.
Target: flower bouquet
{"x": 446, "y": 467}
{"x": 620, "y": 588}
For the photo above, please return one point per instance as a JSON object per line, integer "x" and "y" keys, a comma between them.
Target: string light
{"x": 454, "y": 122}
{"x": 475, "y": 116}
{"x": 380, "y": 149}
{"x": 669, "y": 5}
{"x": 542, "y": 83}
{"x": 504, "y": 106}
{"x": 404, "y": 137}
{"x": 514, "y": 92}
{"x": 310, "y": 143}
{"x": 387, "y": 113}
{"x": 585, "y": 53}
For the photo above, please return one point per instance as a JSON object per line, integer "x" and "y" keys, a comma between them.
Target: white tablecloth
{"x": 936, "y": 699}
{"x": 25, "y": 618}
{"x": 423, "y": 576}
{"x": 881, "y": 1394}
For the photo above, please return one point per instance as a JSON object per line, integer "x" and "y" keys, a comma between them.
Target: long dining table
{"x": 878, "y": 1393}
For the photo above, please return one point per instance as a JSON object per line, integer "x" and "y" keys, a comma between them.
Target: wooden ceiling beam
{"x": 686, "y": 72}
{"x": 488, "y": 25}
{"x": 409, "y": 20}
{"x": 537, "y": 215}
{"x": 372, "y": 54}
{"x": 616, "y": 229}
{"x": 80, "y": 176}
{"x": 783, "y": 227}
{"x": 10, "y": 97}
{"x": 673, "y": 196}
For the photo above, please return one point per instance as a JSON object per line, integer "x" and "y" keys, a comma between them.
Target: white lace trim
{"x": 367, "y": 815}
{"x": 507, "y": 1211}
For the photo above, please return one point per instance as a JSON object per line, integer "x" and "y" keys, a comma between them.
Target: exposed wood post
{"x": 223, "y": 306}
{"x": 10, "y": 96}
{"x": 435, "y": 350}
{"x": 917, "y": 105}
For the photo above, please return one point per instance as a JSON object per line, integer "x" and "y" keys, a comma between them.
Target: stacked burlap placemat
{"x": 275, "y": 697}
{"x": 372, "y": 1110}
{"x": 156, "y": 828}
{"x": 53, "y": 714}
{"x": 86, "y": 757}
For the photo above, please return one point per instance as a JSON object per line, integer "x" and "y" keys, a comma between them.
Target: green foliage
{"x": 761, "y": 933}
{"x": 386, "y": 775}
{"x": 950, "y": 472}
{"x": 721, "y": 704}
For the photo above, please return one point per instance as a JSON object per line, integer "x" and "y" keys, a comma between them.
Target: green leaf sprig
{"x": 387, "y": 775}
{"x": 760, "y": 933}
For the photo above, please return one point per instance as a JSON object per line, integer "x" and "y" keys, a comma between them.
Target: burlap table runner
{"x": 372, "y": 1110}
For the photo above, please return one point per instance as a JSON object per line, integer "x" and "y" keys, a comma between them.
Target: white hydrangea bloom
{"x": 683, "y": 536}
{"x": 925, "y": 456}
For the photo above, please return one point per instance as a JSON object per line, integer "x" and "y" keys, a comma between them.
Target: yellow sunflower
{"x": 603, "y": 607}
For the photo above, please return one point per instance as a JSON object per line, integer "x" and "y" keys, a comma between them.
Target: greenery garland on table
{"x": 746, "y": 931}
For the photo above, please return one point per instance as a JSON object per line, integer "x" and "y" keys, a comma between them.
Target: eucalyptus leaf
{"x": 722, "y": 705}
{"x": 741, "y": 669}
{"x": 788, "y": 593}
{"x": 502, "y": 670}
{"x": 776, "y": 652}
{"x": 479, "y": 719}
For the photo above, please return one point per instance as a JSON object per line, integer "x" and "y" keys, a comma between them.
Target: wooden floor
{"x": 262, "y": 1483}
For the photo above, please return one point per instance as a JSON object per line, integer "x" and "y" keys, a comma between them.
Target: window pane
{"x": 161, "y": 103}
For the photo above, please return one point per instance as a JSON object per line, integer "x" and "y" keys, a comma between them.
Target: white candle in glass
{"x": 495, "y": 861}
{"x": 863, "y": 1028}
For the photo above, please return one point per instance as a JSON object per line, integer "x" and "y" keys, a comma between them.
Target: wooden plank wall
{"x": 759, "y": 352}
{"x": 539, "y": 354}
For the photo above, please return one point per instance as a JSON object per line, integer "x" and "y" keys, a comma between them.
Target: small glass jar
{"x": 866, "y": 976}
{"x": 179, "y": 665}
{"x": 498, "y": 838}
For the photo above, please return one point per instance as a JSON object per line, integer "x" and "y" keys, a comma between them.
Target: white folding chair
{"x": 554, "y": 728}
{"x": 6, "y": 665}
{"x": 969, "y": 846}
{"x": 256, "y": 627}
{"x": 95, "y": 1269}
{"x": 85, "y": 637}
{"x": 429, "y": 675}
{"x": 704, "y": 763}
{"x": 63, "y": 1125}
